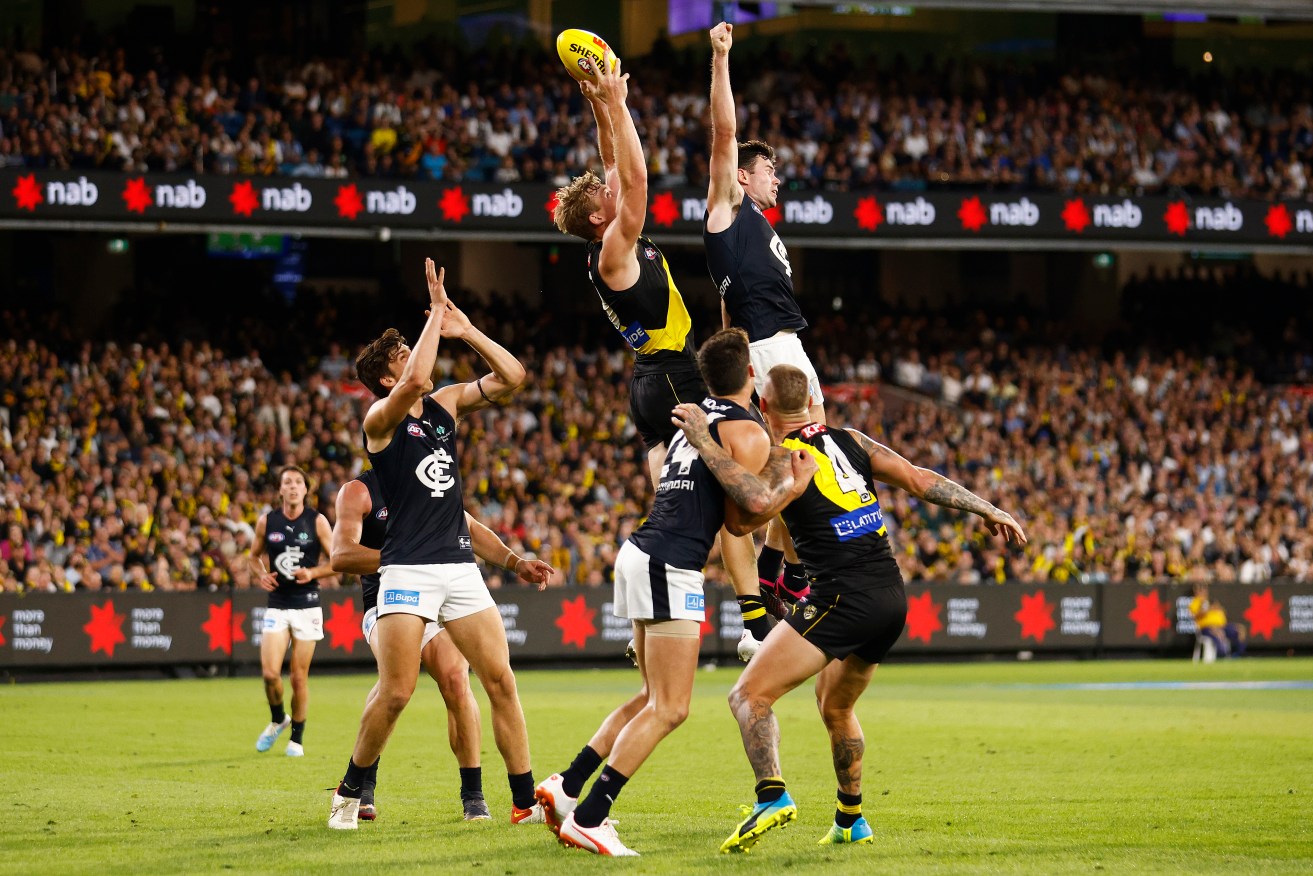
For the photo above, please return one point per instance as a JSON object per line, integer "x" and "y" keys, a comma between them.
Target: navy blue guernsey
{"x": 419, "y": 472}
{"x": 690, "y": 503}
{"x": 292, "y": 545}
{"x": 750, "y": 268}
{"x": 373, "y": 532}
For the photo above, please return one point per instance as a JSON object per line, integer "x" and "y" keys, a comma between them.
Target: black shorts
{"x": 651, "y": 397}
{"x": 865, "y": 621}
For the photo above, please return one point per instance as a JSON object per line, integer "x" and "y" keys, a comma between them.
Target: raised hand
{"x": 611, "y": 84}
{"x": 693, "y": 421}
{"x": 455, "y": 324}
{"x": 722, "y": 38}
{"x": 435, "y": 276}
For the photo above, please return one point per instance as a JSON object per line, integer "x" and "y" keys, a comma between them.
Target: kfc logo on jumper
{"x": 816, "y": 211}
{"x": 78, "y": 193}
{"x": 402, "y": 201}
{"x": 1023, "y": 212}
{"x": 504, "y": 203}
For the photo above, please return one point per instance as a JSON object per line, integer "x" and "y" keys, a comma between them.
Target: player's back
{"x": 690, "y": 503}
{"x": 419, "y": 473}
{"x": 650, "y": 315}
{"x": 750, "y": 267}
{"x": 837, "y": 525}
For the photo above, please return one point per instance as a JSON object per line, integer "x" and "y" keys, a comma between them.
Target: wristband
{"x": 510, "y": 552}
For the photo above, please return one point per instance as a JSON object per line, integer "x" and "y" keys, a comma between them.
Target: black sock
{"x": 584, "y": 765}
{"x": 471, "y": 782}
{"x": 298, "y": 727}
{"x": 754, "y": 616}
{"x": 371, "y": 782}
{"x": 353, "y": 783}
{"x": 522, "y": 789}
{"x": 276, "y": 713}
{"x": 848, "y": 810}
{"x": 770, "y": 790}
{"x": 768, "y": 564}
{"x": 597, "y": 805}
{"x": 795, "y": 578}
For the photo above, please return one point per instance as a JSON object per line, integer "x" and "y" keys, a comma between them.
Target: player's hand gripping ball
{"x": 581, "y": 52}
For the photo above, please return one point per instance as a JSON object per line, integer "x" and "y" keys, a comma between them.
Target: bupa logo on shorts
{"x": 414, "y": 429}
{"x": 694, "y": 602}
{"x": 275, "y": 537}
{"x": 401, "y": 597}
{"x": 270, "y": 623}
{"x": 381, "y": 514}
{"x": 636, "y": 336}
{"x": 465, "y": 542}
{"x": 649, "y": 252}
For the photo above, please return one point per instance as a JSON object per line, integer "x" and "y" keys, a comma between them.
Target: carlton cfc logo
{"x": 432, "y": 472}
{"x": 289, "y": 561}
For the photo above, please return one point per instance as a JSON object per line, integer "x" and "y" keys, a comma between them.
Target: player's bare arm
{"x": 325, "y": 569}
{"x": 506, "y": 377}
{"x": 260, "y": 573}
{"x": 617, "y": 262}
{"x": 605, "y": 132}
{"x": 387, "y": 413}
{"x": 890, "y": 468}
{"x": 489, "y": 547}
{"x": 724, "y": 194}
{"x": 347, "y": 553}
{"x": 758, "y": 480}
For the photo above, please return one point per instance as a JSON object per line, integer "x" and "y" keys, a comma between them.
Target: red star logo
{"x": 1263, "y": 614}
{"x": 576, "y": 622}
{"x": 1177, "y": 218}
{"x": 869, "y": 214}
{"x": 1035, "y": 616}
{"x": 343, "y": 626}
{"x": 27, "y": 193}
{"x": 105, "y": 628}
{"x": 348, "y": 202}
{"x": 773, "y": 215}
{"x": 703, "y": 628}
{"x": 972, "y": 214}
{"x": 223, "y": 627}
{"x": 923, "y": 617}
{"x": 1076, "y": 216}
{"x": 2, "y": 635}
{"x": 454, "y": 205}
{"x": 136, "y": 194}
{"x": 551, "y": 204}
{"x": 1150, "y": 615}
{"x": 1278, "y": 221}
{"x": 243, "y": 198}
{"x": 664, "y": 209}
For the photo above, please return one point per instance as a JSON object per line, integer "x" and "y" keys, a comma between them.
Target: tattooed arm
{"x": 758, "y": 497}
{"x": 890, "y": 468}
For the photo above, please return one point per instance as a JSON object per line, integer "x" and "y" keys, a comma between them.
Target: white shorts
{"x": 306, "y": 624}
{"x": 431, "y": 629}
{"x": 646, "y": 589}
{"x": 440, "y": 592}
{"x": 783, "y": 349}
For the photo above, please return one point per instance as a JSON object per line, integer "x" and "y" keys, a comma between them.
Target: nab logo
{"x": 693, "y": 208}
{"x": 402, "y": 202}
{"x": 1226, "y": 218}
{"x": 918, "y": 212}
{"x": 296, "y": 199}
{"x": 433, "y": 472}
{"x": 289, "y": 561}
{"x": 416, "y": 430}
{"x": 817, "y": 211}
{"x": 504, "y": 203}
{"x": 1023, "y": 212}
{"x": 275, "y": 537}
{"x": 401, "y": 597}
{"x": 80, "y": 193}
{"x": 1123, "y": 215}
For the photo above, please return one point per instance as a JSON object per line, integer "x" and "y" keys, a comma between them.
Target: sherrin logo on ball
{"x": 580, "y": 51}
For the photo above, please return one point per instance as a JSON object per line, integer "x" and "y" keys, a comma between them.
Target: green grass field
{"x": 970, "y": 768}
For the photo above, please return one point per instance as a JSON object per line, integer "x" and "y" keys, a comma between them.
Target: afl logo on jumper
{"x": 382, "y": 514}
{"x": 289, "y": 561}
{"x": 433, "y": 472}
{"x": 275, "y": 537}
{"x": 649, "y": 252}
{"x": 414, "y": 429}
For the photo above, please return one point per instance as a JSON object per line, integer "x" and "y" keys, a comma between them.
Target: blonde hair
{"x": 790, "y": 389}
{"x": 574, "y": 204}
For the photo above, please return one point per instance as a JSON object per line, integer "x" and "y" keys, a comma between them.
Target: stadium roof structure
{"x": 1276, "y": 9}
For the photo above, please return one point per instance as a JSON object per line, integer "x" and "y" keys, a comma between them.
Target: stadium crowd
{"x": 838, "y": 122}
{"x": 145, "y": 465}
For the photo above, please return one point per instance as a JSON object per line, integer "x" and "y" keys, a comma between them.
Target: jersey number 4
{"x": 845, "y": 475}
{"x": 681, "y": 454}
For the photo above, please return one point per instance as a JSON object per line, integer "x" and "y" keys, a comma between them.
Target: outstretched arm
{"x": 783, "y": 476}
{"x": 489, "y": 547}
{"x": 507, "y": 373}
{"x": 724, "y": 193}
{"x": 605, "y": 132}
{"x": 890, "y": 468}
{"x": 616, "y": 262}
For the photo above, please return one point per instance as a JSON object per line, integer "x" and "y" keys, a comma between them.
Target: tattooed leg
{"x": 761, "y": 733}
{"x": 837, "y": 690}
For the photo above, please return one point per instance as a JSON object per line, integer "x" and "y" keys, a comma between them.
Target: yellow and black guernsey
{"x": 836, "y": 524}
{"x": 650, "y": 315}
